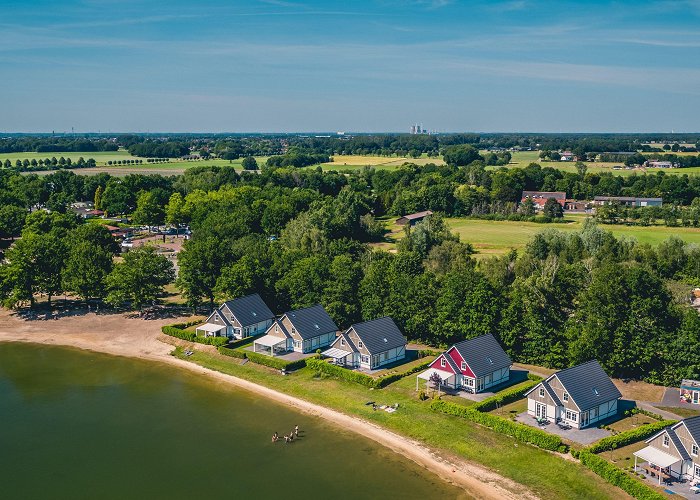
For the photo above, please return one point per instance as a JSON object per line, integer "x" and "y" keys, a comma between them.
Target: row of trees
{"x": 56, "y": 254}
{"x": 48, "y": 163}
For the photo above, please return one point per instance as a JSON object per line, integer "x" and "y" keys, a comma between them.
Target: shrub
{"x": 504, "y": 397}
{"x": 352, "y": 376}
{"x": 391, "y": 378}
{"x": 532, "y": 376}
{"x": 519, "y": 431}
{"x": 280, "y": 364}
{"x": 226, "y": 351}
{"x": 617, "y": 477}
{"x": 177, "y": 331}
{"x": 629, "y": 437}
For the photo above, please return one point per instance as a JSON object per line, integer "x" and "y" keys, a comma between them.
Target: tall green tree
{"x": 87, "y": 266}
{"x": 140, "y": 278}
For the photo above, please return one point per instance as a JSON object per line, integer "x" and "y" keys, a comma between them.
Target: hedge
{"x": 519, "y": 431}
{"x": 263, "y": 359}
{"x": 504, "y": 397}
{"x": 617, "y": 477}
{"x": 337, "y": 371}
{"x": 176, "y": 331}
{"x": 393, "y": 377}
{"x": 629, "y": 437}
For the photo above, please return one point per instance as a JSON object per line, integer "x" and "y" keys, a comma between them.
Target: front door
{"x": 695, "y": 397}
{"x": 479, "y": 384}
{"x": 540, "y": 410}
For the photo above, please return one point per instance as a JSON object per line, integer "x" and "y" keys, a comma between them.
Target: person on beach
{"x": 286, "y": 438}
{"x": 275, "y": 437}
{"x": 296, "y": 430}
{"x": 291, "y": 438}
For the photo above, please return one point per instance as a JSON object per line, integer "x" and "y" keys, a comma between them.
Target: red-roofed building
{"x": 540, "y": 197}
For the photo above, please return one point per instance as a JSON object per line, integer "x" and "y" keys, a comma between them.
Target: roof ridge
{"x": 577, "y": 366}
{"x": 304, "y": 308}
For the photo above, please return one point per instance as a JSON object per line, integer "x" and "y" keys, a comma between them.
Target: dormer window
{"x": 464, "y": 365}
{"x": 442, "y": 362}
{"x": 666, "y": 440}
{"x": 541, "y": 392}
{"x": 566, "y": 397}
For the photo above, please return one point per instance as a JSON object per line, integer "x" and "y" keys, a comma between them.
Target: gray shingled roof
{"x": 379, "y": 335}
{"x": 311, "y": 321}
{"x": 588, "y": 385}
{"x": 417, "y": 215}
{"x": 693, "y": 425}
{"x": 249, "y": 310}
{"x": 483, "y": 354}
{"x": 678, "y": 444}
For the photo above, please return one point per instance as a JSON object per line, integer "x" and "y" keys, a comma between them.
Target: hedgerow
{"x": 504, "y": 397}
{"x": 519, "y": 431}
{"x": 350, "y": 375}
{"x": 177, "y": 331}
{"x": 629, "y": 437}
{"x": 618, "y": 477}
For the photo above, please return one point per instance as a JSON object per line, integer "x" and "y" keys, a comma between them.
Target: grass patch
{"x": 684, "y": 412}
{"x": 546, "y": 474}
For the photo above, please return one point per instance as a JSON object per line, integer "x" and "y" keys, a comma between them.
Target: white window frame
{"x": 464, "y": 365}
{"x": 342, "y": 341}
{"x": 360, "y": 344}
{"x": 666, "y": 441}
{"x": 694, "y": 450}
{"x": 541, "y": 392}
{"x": 364, "y": 358}
{"x": 566, "y": 397}
{"x": 443, "y": 362}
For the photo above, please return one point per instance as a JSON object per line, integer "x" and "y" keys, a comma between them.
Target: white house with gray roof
{"x": 579, "y": 396}
{"x": 369, "y": 345}
{"x": 674, "y": 451}
{"x": 238, "y": 318}
{"x": 302, "y": 330}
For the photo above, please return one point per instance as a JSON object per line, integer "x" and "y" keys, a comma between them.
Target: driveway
{"x": 582, "y": 436}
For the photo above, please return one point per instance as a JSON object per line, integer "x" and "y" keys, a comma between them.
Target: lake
{"x": 84, "y": 425}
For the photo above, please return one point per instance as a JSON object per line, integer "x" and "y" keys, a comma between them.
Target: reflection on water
{"x": 83, "y": 425}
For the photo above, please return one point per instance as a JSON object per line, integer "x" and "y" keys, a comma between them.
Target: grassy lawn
{"x": 546, "y": 474}
{"x": 498, "y": 237}
{"x": 512, "y": 409}
{"x": 684, "y": 411}
{"x": 402, "y": 366}
{"x": 631, "y": 422}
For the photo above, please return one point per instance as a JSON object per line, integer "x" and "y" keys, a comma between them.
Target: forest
{"x": 305, "y": 236}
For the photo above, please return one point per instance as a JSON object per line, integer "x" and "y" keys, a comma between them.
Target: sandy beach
{"x": 119, "y": 335}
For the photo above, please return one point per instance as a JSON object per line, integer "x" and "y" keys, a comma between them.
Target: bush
{"x": 352, "y": 376}
{"x": 617, "y": 477}
{"x": 393, "y": 377}
{"x": 504, "y": 397}
{"x": 629, "y": 437}
{"x": 280, "y": 364}
{"x": 226, "y": 351}
{"x": 177, "y": 331}
{"x": 519, "y": 431}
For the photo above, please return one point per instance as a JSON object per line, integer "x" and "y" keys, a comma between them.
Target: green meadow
{"x": 498, "y": 237}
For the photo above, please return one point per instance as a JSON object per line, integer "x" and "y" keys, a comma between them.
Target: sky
{"x": 353, "y": 65}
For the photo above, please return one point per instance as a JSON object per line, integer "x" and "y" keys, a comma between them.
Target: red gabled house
{"x": 473, "y": 365}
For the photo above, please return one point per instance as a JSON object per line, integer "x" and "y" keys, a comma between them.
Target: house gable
{"x": 437, "y": 364}
{"x": 229, "y": 316}
{"x": 217, "y": 318}
{"x": 657, "y": 441}
{"x": 357, "y": 342}
{"x": 560, "y": 389}
{"x": 458, "y": 359}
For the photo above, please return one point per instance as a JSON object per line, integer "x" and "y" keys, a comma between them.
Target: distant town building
{"x": 539, "y": 198}
{"x": 413, "y": 219}
{"x": 566, "y": 156}
{"x": 659, "y": 164}
{"x": 629, "y": 201}
{"x": 418, "y": 129}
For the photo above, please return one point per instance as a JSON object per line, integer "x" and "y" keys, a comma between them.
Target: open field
{"x": 358, "y": 162}
{"x": 524, "y": 158}
{"x": 498, "y": 237}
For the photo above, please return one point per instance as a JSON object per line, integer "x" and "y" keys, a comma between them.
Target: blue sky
{"x": 381, "y": 65}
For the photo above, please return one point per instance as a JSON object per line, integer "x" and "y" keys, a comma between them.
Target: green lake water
{"x": 79, "y": 425}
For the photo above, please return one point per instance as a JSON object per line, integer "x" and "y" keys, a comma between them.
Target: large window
{"x": 572, "y": 416}
{"x": 365, "y": 359}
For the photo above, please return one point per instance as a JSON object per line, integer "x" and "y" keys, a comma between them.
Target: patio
{"x": 516, "y": 376}
{"x": 675, "y": 487}
{"x": 585, "y": 436}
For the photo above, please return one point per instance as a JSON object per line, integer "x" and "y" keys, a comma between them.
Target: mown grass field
{"x": 358, "y": 162}
{"x": 524, "y": 158}
{"x": 548, "y": 475}
{"x": 498, "y": 237}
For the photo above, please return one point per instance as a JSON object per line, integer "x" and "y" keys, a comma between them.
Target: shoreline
{"x": 112, "y": 334}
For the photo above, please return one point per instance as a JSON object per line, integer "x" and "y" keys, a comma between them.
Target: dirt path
{"x": 136, "y": 338}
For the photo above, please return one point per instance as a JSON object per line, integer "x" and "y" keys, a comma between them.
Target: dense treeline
{"x": 40, "y": 144}
{"x": 300, "y": 237}
{"x": 157, "y": 149}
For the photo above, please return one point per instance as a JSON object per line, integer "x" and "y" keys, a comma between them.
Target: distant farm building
{"x": 659, "y": 164}
{"x": 413, "y": 219}
{"x": 539, "y": 198}
{"x": 628, "y": 201}
{"x": 566, "y": 156}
